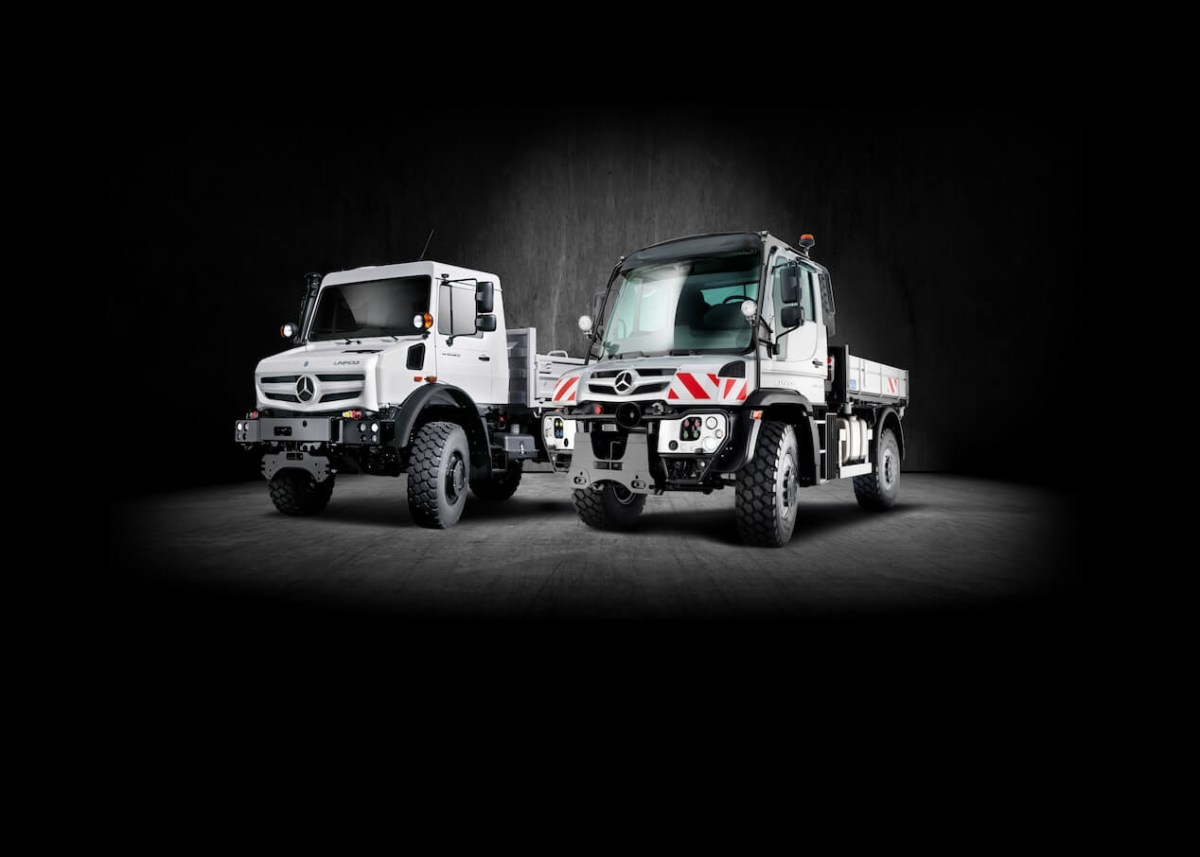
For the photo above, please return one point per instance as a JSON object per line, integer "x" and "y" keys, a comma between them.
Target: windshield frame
{"x": 620, "y": 280}
{"x": 404, "y": 329}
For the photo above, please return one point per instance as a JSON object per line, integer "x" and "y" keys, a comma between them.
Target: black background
{"x": 948, "y": 230}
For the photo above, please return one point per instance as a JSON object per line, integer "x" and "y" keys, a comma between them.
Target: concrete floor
{"x": 953, "y": 543}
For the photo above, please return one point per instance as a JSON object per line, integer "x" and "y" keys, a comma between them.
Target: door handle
{"x": 484, "y": 358}
{"x": 818, "y": 362}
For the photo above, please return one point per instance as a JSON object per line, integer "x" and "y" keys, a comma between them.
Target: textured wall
{"x": 946, "y": 233}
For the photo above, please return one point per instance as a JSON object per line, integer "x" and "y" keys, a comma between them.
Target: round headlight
{"x": 241, "y": 426}
{"x": 709, "y": 444}
{"x": 749, "y": 308}
{"x": 585, "y": 323}
{"x": 362, "y": 426}
{"x": 375, "y": 428}
{"x": 419, "y": 321}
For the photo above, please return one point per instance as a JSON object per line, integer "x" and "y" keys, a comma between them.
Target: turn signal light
{"x": 431, "y": 378}
{"x": 352, "y": 415}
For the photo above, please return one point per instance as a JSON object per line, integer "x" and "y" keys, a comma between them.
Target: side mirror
{"x": 485, "y": 295}
{"x": 792, "y": 316}
{"x": 789, "y": 284}
{"x": 288, "y": 331}
{"x": 486, "y": 323}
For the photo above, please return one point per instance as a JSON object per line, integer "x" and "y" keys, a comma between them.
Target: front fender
{"x": 446, "y": 396}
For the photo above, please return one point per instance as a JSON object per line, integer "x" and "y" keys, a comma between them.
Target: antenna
{"x": 426, "y": 247}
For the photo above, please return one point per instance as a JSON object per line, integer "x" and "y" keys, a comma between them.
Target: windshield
{"x": 371, "y": 308}
{"x": 684, "y": 307}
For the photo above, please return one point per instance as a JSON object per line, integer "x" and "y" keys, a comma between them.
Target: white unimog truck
{"x": 710, "y": 367}
{"x": 401, "y": 369}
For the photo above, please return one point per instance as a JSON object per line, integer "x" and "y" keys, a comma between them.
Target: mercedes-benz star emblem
{"x": 624, "y": 382}
{"x": 304, "y": 388}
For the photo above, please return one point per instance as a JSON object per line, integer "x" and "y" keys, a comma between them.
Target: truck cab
{"x": 406, "y": 368}
{"x": 710, "y": 366}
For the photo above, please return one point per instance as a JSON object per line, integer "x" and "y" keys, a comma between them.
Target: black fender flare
{"x": 889, "y": 418}
{"x": 794, "y": 408}
{"x": 774, "y": 398}
{"x": 449, "y": 397}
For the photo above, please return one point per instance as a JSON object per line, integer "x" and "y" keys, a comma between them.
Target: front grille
{"x": 642, "y": 373}
{"x": 333, "y": 387}
{"x": 606, "y": 390}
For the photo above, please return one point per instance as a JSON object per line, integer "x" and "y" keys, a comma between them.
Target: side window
{"x": 777, "y": 267}
{"x": 808, "y": 288}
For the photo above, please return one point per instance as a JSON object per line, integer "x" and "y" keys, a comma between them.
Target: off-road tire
{"x": 609, "y": 506}
{"x": 439, "y": 468}
{"x": 295, "y": 492}
{"x": 877, "y": 490}
{"x": 767, "y": 488}
{"x": 496, "y": 489}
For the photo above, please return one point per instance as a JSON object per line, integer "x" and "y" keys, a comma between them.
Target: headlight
{"x": 375, "y": 428}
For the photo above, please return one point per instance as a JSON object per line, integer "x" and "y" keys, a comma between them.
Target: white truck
{"x": 710, "y": 367}
{"x": 401, "y": 369}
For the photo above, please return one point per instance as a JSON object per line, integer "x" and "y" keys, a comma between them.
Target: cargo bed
{"x": 869, "y": 381}
{"x": 532, "y": 376}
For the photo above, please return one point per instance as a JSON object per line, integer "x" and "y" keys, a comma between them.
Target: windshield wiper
{"x": 628, "y": 354}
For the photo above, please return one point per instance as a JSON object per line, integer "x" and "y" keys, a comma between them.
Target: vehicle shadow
{"x": 371, "y": 511}
{"x": 720, "y": 525}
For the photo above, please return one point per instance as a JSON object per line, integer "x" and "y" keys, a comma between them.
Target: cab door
{"x": 464, "y": 360}
{"x": 800, "y": 364}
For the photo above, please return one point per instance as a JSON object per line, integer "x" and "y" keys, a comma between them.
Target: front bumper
{"x": 642, "y": 459}
{"x": 332, "y": 430}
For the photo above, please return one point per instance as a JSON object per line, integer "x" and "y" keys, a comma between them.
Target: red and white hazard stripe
{"x": 707, "y": 387}
{"x": 891, "y": 385}
{"x": 566, "y": 389}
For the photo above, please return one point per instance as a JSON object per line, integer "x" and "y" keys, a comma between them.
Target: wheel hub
{"x": 790, "y": 486}
{"x": 456, "y": 477}
{"x": 889, "y": 469}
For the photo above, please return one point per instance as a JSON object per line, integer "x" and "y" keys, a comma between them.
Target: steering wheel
{"x": 732, "y": 298}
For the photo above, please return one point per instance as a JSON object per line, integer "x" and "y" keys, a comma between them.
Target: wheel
{"x": 295, "y": 492}
{"x": 767, "y": 488}
{"x": 438, "y": 469}
{"x": 499, "y": 488}
{"x": 877, "y": 490}
{"x": 609, "y": 506}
